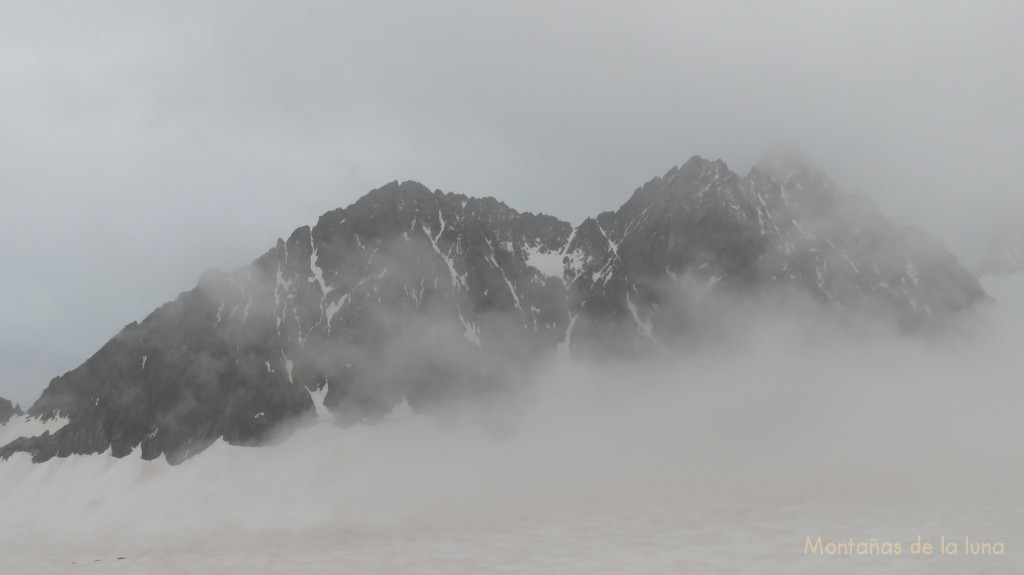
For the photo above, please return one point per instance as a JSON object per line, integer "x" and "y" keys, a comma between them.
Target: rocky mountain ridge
{"x": 413, "y": 297}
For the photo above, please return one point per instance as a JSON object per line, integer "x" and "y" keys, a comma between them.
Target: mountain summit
{"x": 410, "y": 297}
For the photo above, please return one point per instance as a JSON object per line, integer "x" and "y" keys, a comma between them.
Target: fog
{"x": 724, "y": 453}
{"x": 142, "y": 144}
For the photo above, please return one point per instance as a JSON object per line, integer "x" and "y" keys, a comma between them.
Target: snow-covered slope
{"x": 28, "y": 426}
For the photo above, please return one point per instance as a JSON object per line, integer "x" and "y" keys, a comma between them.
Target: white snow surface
{"x": 549, "y": 264}
{"x": 25, "y": 426}
{"x": 318, "y": 396}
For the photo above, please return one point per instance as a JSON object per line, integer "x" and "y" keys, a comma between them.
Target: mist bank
{"x": 790, "y": 420}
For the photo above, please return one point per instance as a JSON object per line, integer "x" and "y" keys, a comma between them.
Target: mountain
{"x": 785, "y": 223}
{"x": 407, "y": 295}
{"x": 410, "y": 298}
{"x": 1006, "y": 252}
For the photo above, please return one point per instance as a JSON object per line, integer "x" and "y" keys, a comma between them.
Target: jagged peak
{"x": 411, "y": 194}
{"x": 589, "y": 231}
{"x": 758, "y": 171}
{"x": 697, "y": 166}
{"x": 694, "y": 161}
{"x": 395, "y": 190}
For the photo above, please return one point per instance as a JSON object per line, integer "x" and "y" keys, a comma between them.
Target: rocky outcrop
{"x": 8, "y": 410}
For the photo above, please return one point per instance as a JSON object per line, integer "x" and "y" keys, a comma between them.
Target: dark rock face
{"x": 1006, "y": 252}
{"x": 416, "y": 296}
{"x": 8, "y": 410}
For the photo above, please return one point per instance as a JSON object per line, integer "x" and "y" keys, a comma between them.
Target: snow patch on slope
{"x": 27, "y": 426}
{"x": 318, "y": 396}
{"x": 549, "y": 264}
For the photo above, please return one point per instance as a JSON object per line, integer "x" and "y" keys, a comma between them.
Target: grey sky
{"x": 142, "y": 143}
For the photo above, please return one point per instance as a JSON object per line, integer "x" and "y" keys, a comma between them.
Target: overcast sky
{"x": 143, "y": 142}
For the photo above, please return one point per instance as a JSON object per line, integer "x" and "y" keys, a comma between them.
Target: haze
{"x": 722, "y": 456}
